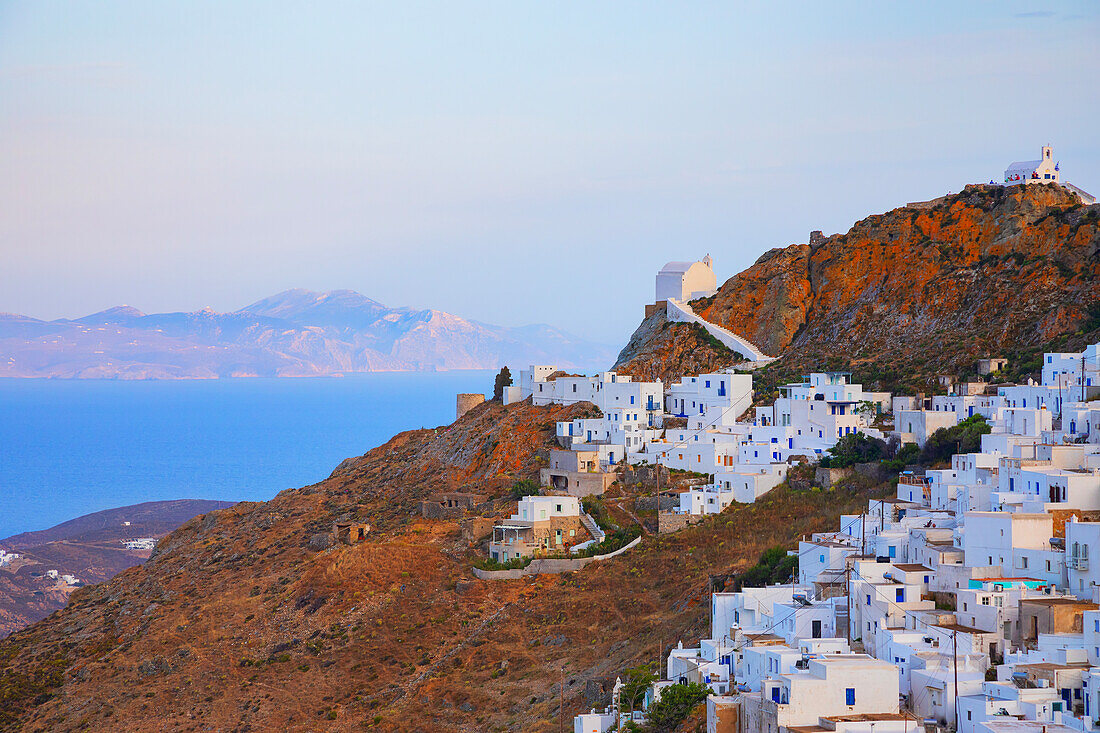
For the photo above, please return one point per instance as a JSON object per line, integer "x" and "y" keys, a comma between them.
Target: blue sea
{"x": 68, "y": 448}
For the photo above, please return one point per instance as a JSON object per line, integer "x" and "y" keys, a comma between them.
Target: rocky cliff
{"x": 921, "y": 290}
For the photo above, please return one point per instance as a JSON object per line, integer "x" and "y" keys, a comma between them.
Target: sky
{"x": 511, "y": 162}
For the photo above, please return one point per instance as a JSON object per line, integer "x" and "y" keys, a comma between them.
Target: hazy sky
{"x": 510, "y": 162}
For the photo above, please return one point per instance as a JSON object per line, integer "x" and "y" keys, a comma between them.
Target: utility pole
{"x": 561, "y": 703}
{"x": 863, "y": 534}
{"x": 955, "y": 662}
{"x": 848, "y": 590}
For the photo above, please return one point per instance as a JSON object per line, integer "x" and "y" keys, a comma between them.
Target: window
{"x": 850, "y": 696}
{"x": 868, "y": 600}
{"x": 899, "y": 595}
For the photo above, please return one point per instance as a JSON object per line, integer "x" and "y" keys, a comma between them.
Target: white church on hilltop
{"x": 684, "y": 281}
{"x": 1044, "y": 170}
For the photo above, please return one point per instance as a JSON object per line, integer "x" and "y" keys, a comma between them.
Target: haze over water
{"x": 68, "y": 448}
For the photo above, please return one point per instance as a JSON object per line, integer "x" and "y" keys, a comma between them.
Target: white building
{"x": 686, "y": 281}
{"x": 1043, "y": 170}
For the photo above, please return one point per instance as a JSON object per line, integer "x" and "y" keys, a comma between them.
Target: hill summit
{"x": 924, "y": 289}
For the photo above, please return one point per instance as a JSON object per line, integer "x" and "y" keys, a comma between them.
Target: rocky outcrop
{"x": 919, "y": 290}
{"x": 660, "y": 349}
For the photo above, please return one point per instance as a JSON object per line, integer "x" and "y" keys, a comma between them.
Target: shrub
{"x": 516, "y": 563}
{"x": 613, "y": 541}
{"x": 775, "y": 566}
{"x": 855, "y": 448}
{"x": 676, "y": 702}
{"x": 524, "y": 487}
{"x": 966, "y": 437}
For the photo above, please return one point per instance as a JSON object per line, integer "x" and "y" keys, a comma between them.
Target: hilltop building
{"x": 1044, "y": 170}
{"x": 684, "y": 281}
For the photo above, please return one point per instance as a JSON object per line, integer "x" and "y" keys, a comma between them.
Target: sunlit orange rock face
{"x": 986, "y": 270}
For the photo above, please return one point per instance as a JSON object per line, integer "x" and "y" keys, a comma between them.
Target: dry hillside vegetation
{"x": 241, "y": 622}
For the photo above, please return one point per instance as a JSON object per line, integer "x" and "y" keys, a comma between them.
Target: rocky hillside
{"x": 661, "y": 349}
{"x": 249, "y": 618}
{"x": 921, "y": 290}
{"x": 88, "y": 547}
{"x": 292, "y": 334}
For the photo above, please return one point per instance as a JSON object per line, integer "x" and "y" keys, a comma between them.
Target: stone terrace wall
{"x": 546, "y": 566}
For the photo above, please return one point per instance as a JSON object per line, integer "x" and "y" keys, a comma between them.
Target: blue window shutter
{"x": 850, "y": 696}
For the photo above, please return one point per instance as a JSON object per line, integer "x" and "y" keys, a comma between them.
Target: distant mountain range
{"x": 295, "y": 333}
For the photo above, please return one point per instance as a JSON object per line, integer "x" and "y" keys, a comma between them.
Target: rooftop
{"x": 963, "y": 629}
{"x": 1060, "y": 602}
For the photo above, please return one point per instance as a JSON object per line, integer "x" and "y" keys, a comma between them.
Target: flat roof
{"x": 1060, "y": 602}
{"x": 870, "y": 717}
{"x": 963, "y": 629}
{"x": 911, "y": 567}
{"x": 1054, "y": 665}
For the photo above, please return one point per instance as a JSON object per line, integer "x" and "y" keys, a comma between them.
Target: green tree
{"x": 504, "y": 379}
{"x": 775, "y": 566}
{"x": 637, "y": 681}
{"x": 676, "y": 702}
{"x": 966, "y": 437}
{"x": 855, "y": 448}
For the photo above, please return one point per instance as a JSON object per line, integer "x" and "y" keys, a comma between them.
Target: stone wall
{"x": 452, "y": 505}
{"x": 547, "y": 566}
{"x": 467, "y": 401}
{"x": 829, "y": 476}
{"x": 474, "y": 528}
{"x": 649, "y": 503}
{"x": 576, "y": 483}
{"x": 671, "y": 522}
{"x": 645, "y": 475}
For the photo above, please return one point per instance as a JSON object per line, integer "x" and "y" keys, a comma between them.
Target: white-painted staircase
{"x": 680, "y": 312}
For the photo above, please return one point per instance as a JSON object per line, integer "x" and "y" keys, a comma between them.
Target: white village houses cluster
{"x": 967, "y": 601}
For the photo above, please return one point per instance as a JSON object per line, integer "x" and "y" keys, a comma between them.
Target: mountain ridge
{"x": 293, "y": 333}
